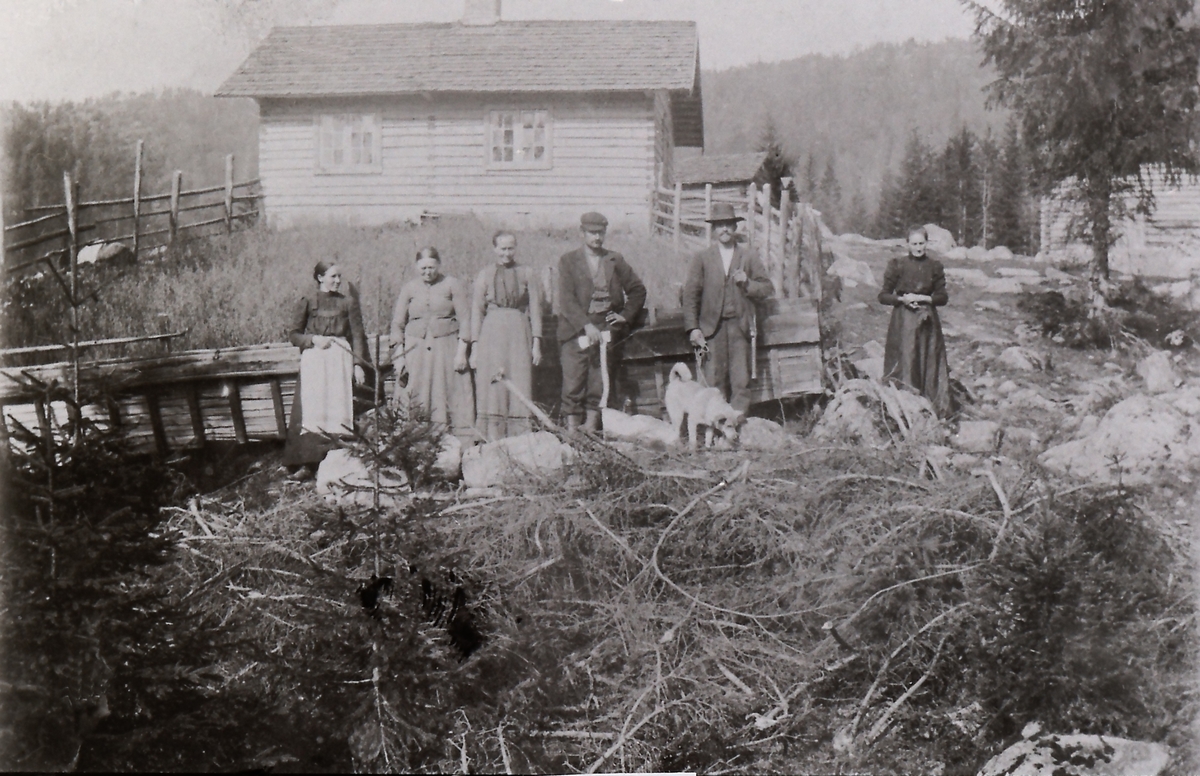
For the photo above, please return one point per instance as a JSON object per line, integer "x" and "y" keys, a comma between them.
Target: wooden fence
{"x": 53, "y": 235}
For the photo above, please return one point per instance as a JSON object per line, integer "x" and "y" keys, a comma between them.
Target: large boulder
{"x": 514, "y": 460}
{"x": 1135, "y": 442}
{"x": 1078, "y": 755}
{"x": 874, "y": 414}
{"x": 852, "y": 271}
{"x": 999, "y": 253}
{"x": 762, "y": 434}
{"x": 343, "y": 479}
{"x": 957, "y": 253}
{"x": 940, "y": 240}
{"x": 969, "y": 275}
{"x": 977, "y": 436}
{"x": 1158, "y": 372}
{"x": 640, "y": 429}
{"x": 1020, "y": 359}
{"x": 977, "y": 253}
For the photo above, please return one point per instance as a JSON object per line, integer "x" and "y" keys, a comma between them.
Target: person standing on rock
{"x": 915, "y": 354}
{"x": 597, "y": 291}
{"x": 723, "y": 284}
{"x": 506, "y": 336}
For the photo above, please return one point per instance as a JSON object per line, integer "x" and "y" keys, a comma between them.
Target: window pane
{"x": 508, "y": 154}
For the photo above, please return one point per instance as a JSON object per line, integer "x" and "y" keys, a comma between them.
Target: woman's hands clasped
{"x": 914, "y": 301}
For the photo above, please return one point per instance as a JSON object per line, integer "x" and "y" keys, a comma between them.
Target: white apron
{"x": 326, "y": 385}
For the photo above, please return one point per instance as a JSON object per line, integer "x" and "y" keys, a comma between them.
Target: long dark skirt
{"x": 915, "y": 355}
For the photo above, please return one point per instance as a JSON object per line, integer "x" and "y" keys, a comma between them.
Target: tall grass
{"x": 239, "y": 289}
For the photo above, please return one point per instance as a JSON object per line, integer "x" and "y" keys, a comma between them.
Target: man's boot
{"x": 592, "y": 423}
{"x": 572, "y": 424}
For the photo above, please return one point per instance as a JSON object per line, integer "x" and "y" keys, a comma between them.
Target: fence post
{"x": 137, "y": 197}
{"x": 176, "y": 184}
{"x": 73, "y": 255}
{"x": 678, "y": 211}
{"x": 751, "y": 207}
{"x": 785, "y": 217}
{"x": 707, "y": 212}
{"x": 229, "y": 193}
{"x": 766, "y": 246}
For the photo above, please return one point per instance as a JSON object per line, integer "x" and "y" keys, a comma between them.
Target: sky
{"x": 74, "y": 49}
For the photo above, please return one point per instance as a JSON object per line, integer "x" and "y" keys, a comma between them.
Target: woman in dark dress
{"x": 915, "y": 354}
{"x": 327, "y": 327}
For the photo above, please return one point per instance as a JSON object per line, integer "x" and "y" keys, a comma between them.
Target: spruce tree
{"x": 962, "y": 191}
{"x": 1010, "y": 193}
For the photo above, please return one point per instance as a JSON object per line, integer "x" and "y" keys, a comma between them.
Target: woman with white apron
{"x": 327, "y": 327}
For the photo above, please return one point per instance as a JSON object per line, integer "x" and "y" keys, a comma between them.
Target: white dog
{"x": 699, "y": 406}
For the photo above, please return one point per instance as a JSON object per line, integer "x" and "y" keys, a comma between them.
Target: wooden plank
{"x": 277, "y": 401}
{"x": 235, "y": 411}
{"x": 156, "y": 424}
{"x": 193, "y": 400}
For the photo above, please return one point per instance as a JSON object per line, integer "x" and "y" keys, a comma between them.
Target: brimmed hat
{"x": 593, "y": 222}
{"x": 723, "y": 212}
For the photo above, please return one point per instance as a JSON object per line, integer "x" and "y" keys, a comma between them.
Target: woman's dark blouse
{"x": 330, "y": 315}
{"x": 908, "y": 275}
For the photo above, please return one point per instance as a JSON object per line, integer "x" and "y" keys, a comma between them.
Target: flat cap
{"x": 593, "y": 220}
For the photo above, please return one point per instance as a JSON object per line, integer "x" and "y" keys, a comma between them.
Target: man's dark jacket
{"x": 625, "y": 288}
{"x": 705, "y": 288}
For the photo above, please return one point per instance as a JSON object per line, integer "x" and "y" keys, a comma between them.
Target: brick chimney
{"x": 477, "y": 13}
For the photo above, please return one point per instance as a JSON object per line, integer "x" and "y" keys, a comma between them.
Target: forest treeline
{"x": 96, "y": 139}
{"x": 887, "y": 135}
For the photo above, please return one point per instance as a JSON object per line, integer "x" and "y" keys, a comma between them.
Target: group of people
{"x": 442, "y": 331}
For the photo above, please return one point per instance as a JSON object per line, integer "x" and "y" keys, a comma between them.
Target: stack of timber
{"x": 186, "y": 399}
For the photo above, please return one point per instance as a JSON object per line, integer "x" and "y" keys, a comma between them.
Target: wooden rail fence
{"x": 142, "y": 222}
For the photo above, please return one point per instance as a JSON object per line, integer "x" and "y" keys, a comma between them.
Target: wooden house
{"x": 533, "y": 122}
{"x": 1164, "y": 244}
{"x": 729, "y": 174}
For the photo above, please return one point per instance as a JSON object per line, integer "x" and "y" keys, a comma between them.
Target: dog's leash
{"x": 754, "y": 345}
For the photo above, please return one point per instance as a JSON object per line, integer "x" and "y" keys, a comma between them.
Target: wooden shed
{"x": 729, "y": 174}
{"x": 1164, "y": 244}
{"x": 530, "y": 121}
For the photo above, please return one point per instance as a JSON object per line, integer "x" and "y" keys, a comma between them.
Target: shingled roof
{"x": 509, "y": 56}
{"x": 719, "y": 168}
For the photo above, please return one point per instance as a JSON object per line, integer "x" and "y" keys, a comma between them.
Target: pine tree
{"x": 858, "y": 220}
{"x": 959, "y": 169}
{"x": 920, "y": 190}
{"x": 1011, "y": 193}
{"x": 889, "y": 217}
{"x": 810, "y": 178}
{"x": 829, "y": 197}
{"x": 1101, "y": 88}
{"x": 988, "y": 165}
{"x": 777, "y": 164}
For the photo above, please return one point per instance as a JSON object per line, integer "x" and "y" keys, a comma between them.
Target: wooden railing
{"x": 53, "y": 235}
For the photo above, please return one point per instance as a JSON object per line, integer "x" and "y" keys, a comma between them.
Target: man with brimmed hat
{"x": 723, "y": 284}
{"x": 597, "y": 291}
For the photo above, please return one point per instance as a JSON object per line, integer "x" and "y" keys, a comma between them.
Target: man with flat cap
{"x": 597, "y": 291}
{"x": 723, "y": 284}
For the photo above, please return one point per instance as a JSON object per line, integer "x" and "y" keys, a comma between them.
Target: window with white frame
{"x": 348, "y": 143}
{"x": 519, "y": 139}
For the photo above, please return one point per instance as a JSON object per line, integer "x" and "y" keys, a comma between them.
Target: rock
{"x": 1006, "y": 387}
{"x": 1187, "y": 401}
{"x": 448, "y": 464}
{"x": 977, "y": 253}
{"x": 1158, "y": 372}
{"x": 940, "y": 240}
{"x": 1057, "y": 275}
{"x": 999, "y": 253}
{"x": 957, "y": 253}
{"x": 873, "y": 349}
{"x": 641, "y": 429}
{"x": 873, "y": 414}
{"x": 977, "y": 436}
{"x": 1020, "y": 359}
{"x": 762, "y": 434}
{"x": 512, "y": 461}
{"x": 1087, "y": 426}
{"x": 989, "y": 304}
{"x": 1019, "y": 272}
{"x": 970, "y": 275}
{"x": 1003, "y": 286}
{"x": 1018, "y": 439}
{"x": 852, "y": 271}
{"x": 871, "y": 367}
{"x": 1078, "y": 755}
{"x": 856, "y": 306}
{"x": 343, "y": 478}
{"x": 1135, "y": 442}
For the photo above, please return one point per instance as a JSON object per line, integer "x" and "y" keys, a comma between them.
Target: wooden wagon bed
{"x": 183, "y": 400}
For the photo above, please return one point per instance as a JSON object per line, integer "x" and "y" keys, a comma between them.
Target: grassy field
{"x": 238, "y": 290}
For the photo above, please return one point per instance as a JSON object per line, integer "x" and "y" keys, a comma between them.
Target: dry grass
{"x": 239, "y": 290}
{"x": 820, "y": 609}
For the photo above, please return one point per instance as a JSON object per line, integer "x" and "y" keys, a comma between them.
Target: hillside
{"x": 860, "y": 108}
